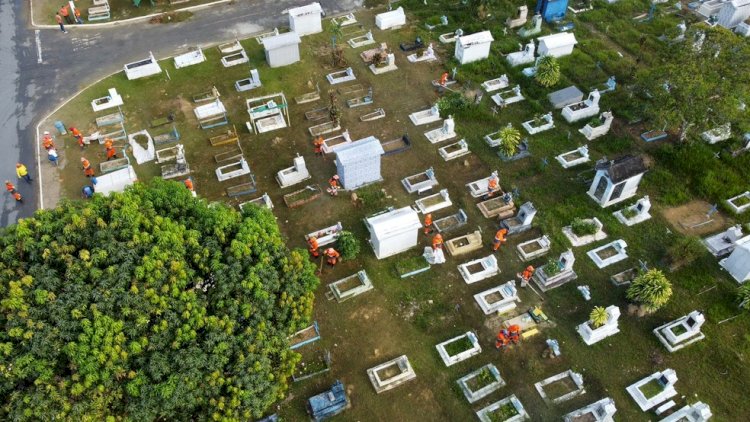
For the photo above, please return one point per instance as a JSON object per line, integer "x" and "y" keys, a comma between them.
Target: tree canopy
{"x": 148, "y": 305}
{"x": 697, "y": 84}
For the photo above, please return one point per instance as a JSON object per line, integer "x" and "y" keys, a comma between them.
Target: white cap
{"x": 46, "y": 133}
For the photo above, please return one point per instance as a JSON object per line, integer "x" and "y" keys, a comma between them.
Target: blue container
{"x": 60, "y": 128}
{"x": 552, "y": 10}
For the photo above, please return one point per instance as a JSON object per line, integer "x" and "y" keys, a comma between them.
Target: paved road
{"x": 30, "y": 90}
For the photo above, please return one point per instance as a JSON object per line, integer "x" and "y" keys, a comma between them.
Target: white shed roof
{"x": 309, "y": 9}
{"x": 477, "y": 38}
{"x": 739, "y": 3}
{"x": 558, "y": 40}
{"x": 394, "y": 222}
{"x": 281, "y": 40}
{"x": 358, "y": 150}
{"x": 738, "y": 263}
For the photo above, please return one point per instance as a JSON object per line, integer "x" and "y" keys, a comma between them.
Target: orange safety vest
{"x": 437, "y": 241}
{"x": 85, "y": 163}
{"x": 428, "y": 220}
{"x": 313, "y": 243}
{"x": 500, "y": 235}
{"x": 189, "y": 184}
{"x": 10, "y": 187}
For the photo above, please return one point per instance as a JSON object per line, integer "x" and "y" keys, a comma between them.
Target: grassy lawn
{"x": 44, "y": 10}
{"x": 409, "y": 316}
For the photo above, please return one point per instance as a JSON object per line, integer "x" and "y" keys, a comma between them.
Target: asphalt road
{"x": 32, "y": 86}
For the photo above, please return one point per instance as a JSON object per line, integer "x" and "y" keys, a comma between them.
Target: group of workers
{"x": 22, "y": 173}
{"x": 332, "y": 255}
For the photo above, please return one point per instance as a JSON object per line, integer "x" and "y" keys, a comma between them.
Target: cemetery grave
{"x": 551, "y": 190}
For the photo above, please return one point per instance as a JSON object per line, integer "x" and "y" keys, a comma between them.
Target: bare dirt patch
{"x": 687, "y": 218}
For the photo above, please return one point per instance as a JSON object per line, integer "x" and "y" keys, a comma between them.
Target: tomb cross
{"x": 545, "y": 162}
{"x": 712, "y": 211}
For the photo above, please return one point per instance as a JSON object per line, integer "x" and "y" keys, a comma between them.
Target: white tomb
{"x": 493, "y": 139}
{"x": 718, "y": 134}
{"x": 207, "y": 113}
{"x": 358, "y": 163}
{"x": 427, "y": 55}
{"x": 190, "y": 58}
{"x": 341, "y": 76}
{"x": 569, "y": 374}
{"x": 444, "y": 133}
{"x": 142, "y": 68}
{"x": 519, "y": 19}
{"x": 486, "y": 414}
{"x": 420, "y": 182}
{"x": 732, "y": 13}
{"x": 479, "y": 269}
{"x": 609, "y": 254}
{"x": 573, "y": 158}
{"x": 112, "y": 100}
{"x": 681, "y": 332}
{"x": 473, "y": 350}
{"x": 557, "y": 45}
{"x": 480, "y": 188}
{"x": 263, "y": 201}
{"x": 722, "y": 244}
{"x": 737, "y": 263}
{"x": 390, "y": 20}
{"x": 581, "y": 110}
{"x": 467, "y": 243}
{"x": 500, "y": 299}
{"x": 230, "y": 171}
{"x": 473, "y": 47}
{"x": 391, "y": 374}
{"x": 521, "y": 221}
{"x": 576, "y": 240}
{"x": 697, "y": 412}
{"x": 454, "y": 150}
{"x": 739, "y": 203}
{"x": 601, "y": 129}
{"x": 249, "y": 83}
{"x": 534, "y": 248}
{"x": 266, "y": 114}
{"x": 475, "y": 395}
{"x": 140, "y": 153}
{"x": 393, "y": 231}
{"x": 509, "y": 96}
{"x": 600, "y": 411}
{"x": 168, "y": 154}
{"x": 591, "y": 335}
{"x": 361, "y": 40}
{"x": 305, "y": 20}
{"x": 115, "y": 181}
{"x": 345, "y": 20}
{"x": 231, "y": 47}
{"x": 387, "y": 66}
{"x": 663, "y": 381}
{"x": 327, "y": 235}
{"x": 563, "y": 272}
{"x": 636, "y": 213}
{"x": 451, "y": 222}
{"x": 525, "y": 56}
{"x": 293, "y": 175}
{"x": 342, "y": 289}
{"x": 451, "y": 37}
{"x": 494, "y": 84}
{"x": 424, "y": 117}
{"x": 233, "y": 59}
{"x": 282, "y": 49}
{"x": 434, "y": 202}
{"x": 534, "y": 27}
{"x": 336, "y": 142}
{"x": 616, "y": 180}
{"x": 533, "y": 126}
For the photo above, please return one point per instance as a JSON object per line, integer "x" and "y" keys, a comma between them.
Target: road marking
{"x": 85, "y": 42}
{"x": 38, "y": 47}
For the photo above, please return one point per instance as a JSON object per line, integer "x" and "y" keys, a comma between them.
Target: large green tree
{"x": 698, "y": 84}
{"x": 148, "y": 305}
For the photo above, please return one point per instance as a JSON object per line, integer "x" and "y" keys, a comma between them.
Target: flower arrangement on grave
{"x": 598, "y": 317}
{"x": 649, "y": 291}
{"x": 583, "y": 227}
{"x": 547, "y": 71}
{"x": 510, "y": 140}
{"x": 552, "y": 267}
{"x": 629, "y": 212}
{"x": 347, "y": 245}
{"x": 539, "y": 120}
{"x": 596, "y": 122}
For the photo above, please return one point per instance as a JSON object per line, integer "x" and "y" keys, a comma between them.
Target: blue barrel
{"x": 60, "y": 128}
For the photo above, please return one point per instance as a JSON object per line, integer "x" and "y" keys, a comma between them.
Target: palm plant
{"x": 743, "y": 296}
{"x": 510, "y": 139}
{"x": 547, "y": 71}
{"x": 598, "y": 317}
{"x": 650, "y": 290}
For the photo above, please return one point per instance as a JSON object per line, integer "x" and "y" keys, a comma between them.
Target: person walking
{"x": 17, "y": 196}
{"x": 79, "y": 137}
{"x": 59, "y": 21}
{"x": 499, "y": 239}
{"x": 65, "y": 12}
{"x": 10, "y": 186}
{"x": 47, "y": 141}
{"x": 428, "y": 224}
{"x": 87, "y": 170}
{"x": 111, "y": 153}
{"x": 22, "y": 172}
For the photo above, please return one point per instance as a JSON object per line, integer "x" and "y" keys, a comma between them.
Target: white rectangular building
{"x": 394, "y": 231}
{"x": 282, "y": 49}
{"x": 305, "y": 20}
{"x": 358, "y": 163}
{"x": 616, "y": 180}
{"x": 474, "y": 47}
{"x": 733, "y": 12}
{"x": 556, "y": 45}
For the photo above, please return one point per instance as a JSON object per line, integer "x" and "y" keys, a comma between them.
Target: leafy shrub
{"x": 598, "y": 317}
{"x": 650, "y": 290}
{"x": 743, "y": 296}
{"x": 452, "y": 103}
{"x": 583, "y": 227}
{"x": 510, "y": 139}
{"x": 547, "y": 71}
{"x": 348, "y": 245}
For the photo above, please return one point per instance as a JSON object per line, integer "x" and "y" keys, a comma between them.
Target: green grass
{"x": 503, "y": 413}
{"x": 408, "y": 265}
{"x": 458, "y": 346}
{"x": 651, "y": 389}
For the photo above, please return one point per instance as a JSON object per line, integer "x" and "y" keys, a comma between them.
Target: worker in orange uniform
{"x": 499, "y": 239}
{"x": 526, "y": 275}
{"x": 79, "y": 137}
{"x": 47, "y": 141}
{"x": 502, "y": 340}
{"x": 17, "y": 196}
{"x": 10, "y": 186}
{"x": 437, "y": 241}
{"x": 87, "y": 170}
{"x": 492, "y": 186}
{"x": 332, "y": 256}
{"x": 444, "y": 79}
{"x": 333, "y": 185}
{"x": 318, "y": 144}
{"x": 428, "y": 224}
{"x": 189, "y": 184}
{"x": 313, "y": 243}
{"x": 111, "y": 153}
